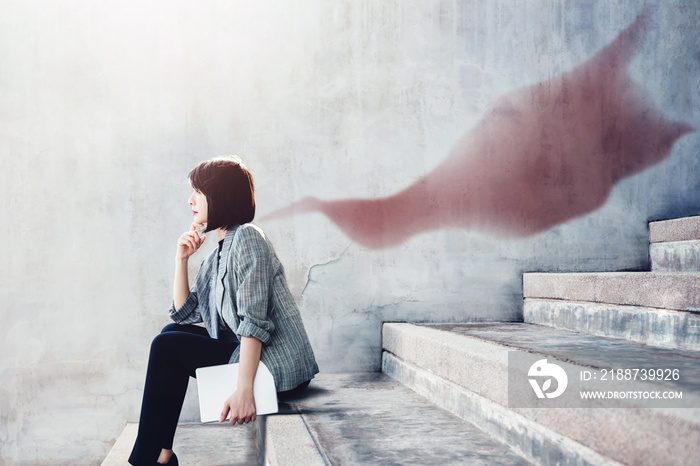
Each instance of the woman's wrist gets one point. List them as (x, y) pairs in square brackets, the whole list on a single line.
[(245, 385)]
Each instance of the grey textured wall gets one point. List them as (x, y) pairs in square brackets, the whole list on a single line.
[(105, 106)]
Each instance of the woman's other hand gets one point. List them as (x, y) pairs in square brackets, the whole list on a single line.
[(189, 242), (242, 407)]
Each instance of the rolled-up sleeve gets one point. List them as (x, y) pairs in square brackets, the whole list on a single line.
[(188, 312), (254, 271)]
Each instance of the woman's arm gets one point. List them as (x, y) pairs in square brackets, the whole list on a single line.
[(187, 245), (251, 260), (242, 403), (181, 287)]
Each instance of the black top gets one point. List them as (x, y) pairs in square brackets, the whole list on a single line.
[(225, 333)]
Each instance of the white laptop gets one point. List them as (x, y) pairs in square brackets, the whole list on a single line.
[(216, 384)]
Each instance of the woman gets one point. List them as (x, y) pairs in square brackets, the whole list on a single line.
[(242, 297)]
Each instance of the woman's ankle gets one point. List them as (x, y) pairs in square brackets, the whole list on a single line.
[(165, 456)]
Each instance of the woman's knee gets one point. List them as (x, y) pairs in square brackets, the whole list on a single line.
[(171, 328), (187, 328), (164, 342)]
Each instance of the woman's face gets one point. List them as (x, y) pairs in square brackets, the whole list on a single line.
[(198, 202)]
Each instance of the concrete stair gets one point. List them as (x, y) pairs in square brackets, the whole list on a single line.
[(371, 419), (654, 308), (586, 323), (674, 245), (443, 397), (464, 368), (196, 444), (343, 419), (659, 308)]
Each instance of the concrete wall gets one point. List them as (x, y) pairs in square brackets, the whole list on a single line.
[(105, 106)]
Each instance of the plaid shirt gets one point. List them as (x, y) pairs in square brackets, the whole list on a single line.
[(249, 291)]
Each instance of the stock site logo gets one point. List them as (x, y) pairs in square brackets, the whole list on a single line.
[(551, 371)]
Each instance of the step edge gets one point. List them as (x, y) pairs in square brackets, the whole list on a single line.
[(672, 340), (646, 274), (519, 424), (616, 305), (646, 418), (287, 440), (661, 244), (121, 450), (489, 353)]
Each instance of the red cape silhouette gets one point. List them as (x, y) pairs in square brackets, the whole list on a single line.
[(542, 155)]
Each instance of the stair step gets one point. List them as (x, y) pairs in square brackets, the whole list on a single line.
[(675, 256), (464, 368), (650, 326), (285, 440), (361, 418), (195, 443), (672, 291), (679, 229), (371, 419), (119, 454), (674, 245)]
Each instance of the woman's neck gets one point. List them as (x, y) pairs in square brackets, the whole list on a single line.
[(221, 233)]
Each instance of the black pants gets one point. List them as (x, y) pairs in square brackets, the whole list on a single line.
[(175, 354)]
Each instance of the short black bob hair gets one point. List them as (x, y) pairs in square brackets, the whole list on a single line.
[(228, 186)]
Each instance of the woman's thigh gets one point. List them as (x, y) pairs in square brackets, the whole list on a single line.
[(185, 351)]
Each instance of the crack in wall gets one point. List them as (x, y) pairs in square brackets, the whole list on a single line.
[(308, 274)]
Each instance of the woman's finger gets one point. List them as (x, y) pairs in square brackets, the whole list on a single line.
[(192, 244), (197, 239), (224, 413), (251, 417), (200, 238)]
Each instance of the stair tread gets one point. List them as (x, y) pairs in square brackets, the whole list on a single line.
[(215, 444), (369, 418), (195, 443), (666, 290), (679, 229), (465, 367), (591, 350)]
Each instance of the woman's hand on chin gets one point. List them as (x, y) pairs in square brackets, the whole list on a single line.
[(189, 242), (242, 407)]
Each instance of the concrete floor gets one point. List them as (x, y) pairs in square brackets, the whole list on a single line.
[(371, 419)]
